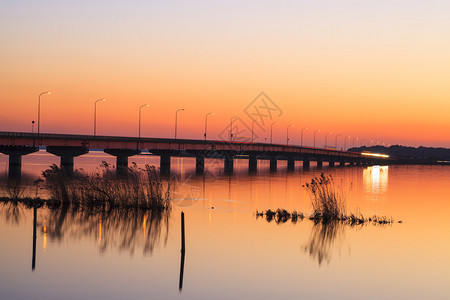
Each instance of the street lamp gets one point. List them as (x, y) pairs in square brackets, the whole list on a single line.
[(315, 137), (301, 136), (354, 141), (206, 122), (345, 142), (335, 140), (39, 109), (362, 140), (176, 120), (271, 130), (253, 123), (287, 133), (231, 126), (326, 135), (140, 107), (95, 114), (32, 126)]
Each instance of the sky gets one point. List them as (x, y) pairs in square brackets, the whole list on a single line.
[(374, 70)]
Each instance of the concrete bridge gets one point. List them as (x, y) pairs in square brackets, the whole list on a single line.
[(68, 146)]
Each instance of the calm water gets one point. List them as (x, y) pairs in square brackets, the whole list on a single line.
[(230, 254)]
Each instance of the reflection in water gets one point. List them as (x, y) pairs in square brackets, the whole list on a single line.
[(13, 212), (375, 179), (324, 238), (33, 260), (123, 229), (183, 252)]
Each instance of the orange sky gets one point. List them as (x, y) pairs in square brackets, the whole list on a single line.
[(377, 71)]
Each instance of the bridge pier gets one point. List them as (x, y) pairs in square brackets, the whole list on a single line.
[(273, 163), (342, 163), (15, 154), (306, 163), (122, 158), (252, 163), (199, 164), (66, 154), (319, 163), (331, 163), (229, 164), (290, 163), (164, 164)]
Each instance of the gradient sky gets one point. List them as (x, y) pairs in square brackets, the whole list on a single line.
[(377, 70)]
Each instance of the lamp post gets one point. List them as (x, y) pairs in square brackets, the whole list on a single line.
[(253, 123), (39, 109), (176, 120), (301, 136), (32, 126), (315, 137), (231, 126), (335, 140), (206, 122), (326, 135), (354, 141), (287, 133), (140, 107), (271, 131), (95, 114), (362, 140), (345, 142)]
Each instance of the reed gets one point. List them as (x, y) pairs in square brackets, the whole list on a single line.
[(328, 203), (139, 188)]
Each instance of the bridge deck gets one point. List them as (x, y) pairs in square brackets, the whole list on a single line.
[(163, 144)]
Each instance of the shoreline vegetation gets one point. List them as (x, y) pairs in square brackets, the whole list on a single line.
[(329, 206), (140, 188)]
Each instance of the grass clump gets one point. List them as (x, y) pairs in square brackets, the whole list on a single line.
[(327, 202), (139, 188)]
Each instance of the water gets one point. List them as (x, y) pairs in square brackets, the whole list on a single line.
[(231, 254)]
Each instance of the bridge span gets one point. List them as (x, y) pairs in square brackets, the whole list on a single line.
[(68, 146)]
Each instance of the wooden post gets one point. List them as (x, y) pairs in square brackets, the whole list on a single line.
[(33, 260), (182, 233), (180, 285)]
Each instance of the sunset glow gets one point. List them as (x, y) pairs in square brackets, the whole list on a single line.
[(376, 70)]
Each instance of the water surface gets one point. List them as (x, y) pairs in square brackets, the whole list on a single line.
[(231, 254)]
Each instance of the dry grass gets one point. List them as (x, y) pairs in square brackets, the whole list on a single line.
[(328, 203), (140, 188)]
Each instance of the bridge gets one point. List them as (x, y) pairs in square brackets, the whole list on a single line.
[(68, 146)]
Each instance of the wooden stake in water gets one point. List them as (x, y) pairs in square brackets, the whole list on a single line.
[(182, 232), (33, 259), (182, 253)]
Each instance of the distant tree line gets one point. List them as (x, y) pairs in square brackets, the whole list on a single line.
[(409, 153)]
